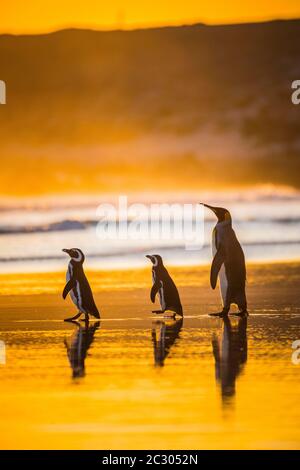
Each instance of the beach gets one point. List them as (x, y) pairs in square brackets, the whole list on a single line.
[(137, 381)]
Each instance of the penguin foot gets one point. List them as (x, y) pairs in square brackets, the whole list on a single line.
[(219, 314), (70, 319), (157, 311), (170, 315), (86, 319), (243, 313)]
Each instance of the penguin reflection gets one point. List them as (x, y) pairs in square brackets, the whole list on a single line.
[(230, 353), (78, 346), (164, 335)]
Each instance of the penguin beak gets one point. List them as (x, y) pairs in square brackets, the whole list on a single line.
[(150, 257), (205, 205), (208, 207), (66, 251)]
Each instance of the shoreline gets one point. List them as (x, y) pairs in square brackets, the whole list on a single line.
[(190, 275), (126, 294)]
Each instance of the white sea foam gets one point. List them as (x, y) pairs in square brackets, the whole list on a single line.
[(32, 232)]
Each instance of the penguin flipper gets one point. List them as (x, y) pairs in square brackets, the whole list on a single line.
[(154, 291), (69, 286), (216, 266)]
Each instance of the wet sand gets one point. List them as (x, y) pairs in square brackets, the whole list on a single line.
[(137, 381)]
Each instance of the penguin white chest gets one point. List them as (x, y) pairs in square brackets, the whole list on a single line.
[(75, 293), (162, 297), (160, 291), (222, 273)]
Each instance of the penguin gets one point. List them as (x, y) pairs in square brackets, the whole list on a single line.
[(165, 287), (228, 263), (78, 286)]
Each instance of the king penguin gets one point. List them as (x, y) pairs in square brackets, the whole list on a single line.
[(165, 287), (78, 286), (228, 263)]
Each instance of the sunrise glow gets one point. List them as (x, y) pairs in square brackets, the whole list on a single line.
[(33, 16)]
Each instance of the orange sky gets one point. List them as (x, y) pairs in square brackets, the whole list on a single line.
[(36, 16)]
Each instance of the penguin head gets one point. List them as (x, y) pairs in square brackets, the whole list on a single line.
[(76, 254), (156, 260), (221, 213)]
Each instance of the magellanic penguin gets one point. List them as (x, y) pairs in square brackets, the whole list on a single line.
[(228, 263), (165, 287), (78, 286)]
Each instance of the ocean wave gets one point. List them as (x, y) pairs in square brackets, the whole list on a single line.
[(63, 226), (141, 251), (69, 225)]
